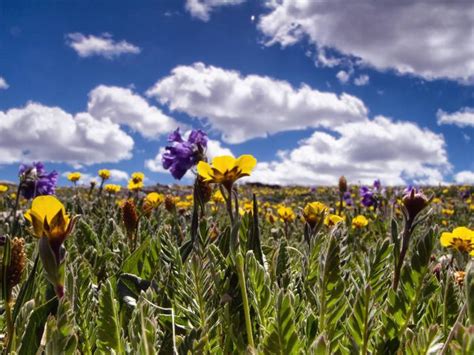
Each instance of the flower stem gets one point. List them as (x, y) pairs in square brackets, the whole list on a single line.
[(405, 243), (9, 321), (15, 208), (243, 289)]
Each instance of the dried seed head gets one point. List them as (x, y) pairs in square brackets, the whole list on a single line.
[(204, 190), (170, 203), (342, 184), (459, 277), (130, 217), (17, 262)]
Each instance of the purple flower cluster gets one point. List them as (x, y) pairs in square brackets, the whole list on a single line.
[(347, 198), (368, 194), (181, 155), (35, 181)]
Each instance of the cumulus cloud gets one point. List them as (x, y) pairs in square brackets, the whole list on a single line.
[(343, 76), (38, 132), (202, 9), (464, 177), (431, 39), (246, 107), (118, 175), (362, 80), (122, 106), (102, 45), (3, 84), (461, 118), (395, 152)]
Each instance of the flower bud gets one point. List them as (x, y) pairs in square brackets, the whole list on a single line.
[(130, 217), (170, 203), (414, 203), (17, 262), (342, 184)]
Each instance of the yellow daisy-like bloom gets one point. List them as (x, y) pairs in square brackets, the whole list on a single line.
[(447, 211), (3, 188), (286, 214), (48, 218), (112, 188), (104, 174), (332, 219), (226, 170), (74, 177), (217, 197), (138, 177), (183, 205), (462, 239), (133, 186), (359, 221), (313, 211), (152, 200)]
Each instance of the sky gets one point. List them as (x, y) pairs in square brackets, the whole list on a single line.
[(313, 89)]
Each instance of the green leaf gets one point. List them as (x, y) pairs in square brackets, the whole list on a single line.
[(283, 338), (108, 331), (34, 330)]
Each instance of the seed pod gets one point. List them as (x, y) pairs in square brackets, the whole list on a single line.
[(342, 184), (17, 262), (170, 203), (130, 217)]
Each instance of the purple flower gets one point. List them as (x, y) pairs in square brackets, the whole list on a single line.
[(35, 181), (368, 198), (377, 185), (181, 155), (347, 198)]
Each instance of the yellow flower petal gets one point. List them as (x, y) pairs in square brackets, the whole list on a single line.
[(246, 163), (204, 170), (463, 233), (223, 163), (46, 206), (446, 239)]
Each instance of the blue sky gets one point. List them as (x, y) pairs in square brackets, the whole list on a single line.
[(86, 85)]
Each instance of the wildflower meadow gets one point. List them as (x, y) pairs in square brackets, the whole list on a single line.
[(224, 266)]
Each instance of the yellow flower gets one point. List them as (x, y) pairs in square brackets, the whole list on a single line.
[(226, 170), (332, 220), (436, 200), (447, 211), (462, 239), (112, 188), (217, 197), (74, 177), (152, 200), (286, 214), (183, 205), (313, 211), (133, 186), (359, 221), (3, 188), (138, 177), (104, 174), (49, 219)]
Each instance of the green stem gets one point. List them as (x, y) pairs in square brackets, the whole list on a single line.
[(243, 289), (10, 325)]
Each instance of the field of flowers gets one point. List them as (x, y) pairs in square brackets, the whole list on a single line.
[(223, 267)]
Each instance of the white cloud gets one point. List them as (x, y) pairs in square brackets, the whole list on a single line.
[(464, 177), (103, 45), (395, 152), (3, 84), (122, 106), (118, 175), (431, 39), (214, 148), (246, 107), (362, 80), (202, 9), (343, 76), (37, 132), (461, 118)]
